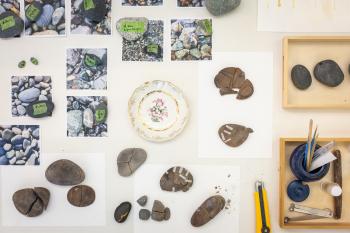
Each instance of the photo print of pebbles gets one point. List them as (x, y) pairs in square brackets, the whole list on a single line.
[(87, 69), (190, 3), (91, 17), (11, 23), (142, 2), (87, 116), (28, 90), (191, 39), (45, 17), (142, 39), (19, 145)]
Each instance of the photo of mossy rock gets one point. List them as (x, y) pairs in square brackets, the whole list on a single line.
[(91, 17), (191, 39), (190, 3), (27, 90), (45, 17), (87, 116), (19, 145), (149, 47), (142, 2), (87, 68)]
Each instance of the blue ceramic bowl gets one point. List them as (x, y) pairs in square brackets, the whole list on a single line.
[(296, 164)]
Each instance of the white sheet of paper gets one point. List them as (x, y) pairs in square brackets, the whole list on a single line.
[(255, 112), (59, 212), (183, 204), (304, 15)]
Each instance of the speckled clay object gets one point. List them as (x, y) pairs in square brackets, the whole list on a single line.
[(208, 210)]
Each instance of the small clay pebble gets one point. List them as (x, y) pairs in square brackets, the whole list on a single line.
[(34, 61), (167, 214), (234, 135), (231, 80), (301, 77), (176, 179), (144, 214), (122, 212), (64, 172), (81, 195), (94, 10), (40, 109), (11, 25), (159, 212), (329, 73), (22, 64), (208, 210), (31, 202), (142, 201), (129, 160)]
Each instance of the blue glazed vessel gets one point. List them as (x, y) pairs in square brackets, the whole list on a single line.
[(296, 164)]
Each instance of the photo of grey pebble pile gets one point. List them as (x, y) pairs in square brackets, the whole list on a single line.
[(81, 116), (139, 50), (191, 39), (27, 90), (19, 145), (190, 3), (142, 2), (96, 22), (45, 17), (87, 69)]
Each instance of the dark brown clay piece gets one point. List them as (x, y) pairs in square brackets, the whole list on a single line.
[(234, 135), (64, 172), (208, 210), (81, 196), (231, 80), (160, 212), (31, 202), (121, 213), (176, 179)]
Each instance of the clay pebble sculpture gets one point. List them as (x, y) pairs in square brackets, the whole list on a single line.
[(31, 202), (231, 80), (176, 179), (329, 73), (142, 201), (64, 172), (129, 160), (301, 77), (160, 212), (208, 210), (144, 214), (121, 213), (234, 135), (81, 196)]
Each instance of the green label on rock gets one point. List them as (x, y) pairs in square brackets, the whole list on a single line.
[(152, 48), (32, 12), (100, 115), (133, 26), (207, 26), (90, 61), (89, 4), (39, 109), (7, 22)]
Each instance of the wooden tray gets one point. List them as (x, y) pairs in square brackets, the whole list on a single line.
[(308, 51), (317, 198)]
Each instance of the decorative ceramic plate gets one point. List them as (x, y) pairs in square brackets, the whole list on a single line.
[(158, 111)]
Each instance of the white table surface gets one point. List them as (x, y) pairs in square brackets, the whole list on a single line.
[(234, 32)]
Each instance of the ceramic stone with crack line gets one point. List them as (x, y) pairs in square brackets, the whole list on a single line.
[(160, 212), (122, 212), (208, 210), (64, 172), (234, 135), (81, 196), (31, 202), (40, 109), (176, 179), (129, 160)]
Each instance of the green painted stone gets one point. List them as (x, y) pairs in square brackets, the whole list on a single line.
[(11, 25), (33, 11), (34, 61), (221, 7), (40, 109), (153, 50), (100, 113), (22, 64), (94, 10), (91, 60), (132, 28)]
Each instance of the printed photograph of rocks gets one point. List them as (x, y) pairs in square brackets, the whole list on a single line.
[(190, 3), (142, 2)]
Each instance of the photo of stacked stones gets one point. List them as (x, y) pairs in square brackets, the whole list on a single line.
[(91, 17), (190, 3), (27, 90), (142, 2), (87, 69), (11, 23), (86, 116), (19, 145), (45, 17), (191, 39), (142, 39)]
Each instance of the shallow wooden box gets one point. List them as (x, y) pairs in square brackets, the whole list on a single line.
[(317, 198), (309, 51)]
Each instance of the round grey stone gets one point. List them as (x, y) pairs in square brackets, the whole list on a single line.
[(220, 7), (329, 73), (144, 214), (301, 77)]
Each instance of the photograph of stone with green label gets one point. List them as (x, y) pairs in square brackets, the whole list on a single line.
[(142, 2), (191, 39), (11, 23), (45, 17), (142, 39), (27, 91), (91, 17), (87, 68), (87, 116)]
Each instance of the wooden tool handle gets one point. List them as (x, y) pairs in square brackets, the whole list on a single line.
[(337, 170)]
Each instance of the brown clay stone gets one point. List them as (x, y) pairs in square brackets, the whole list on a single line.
[(207, 210), (176, 179), (160, 212), (64, 172), (81, 195), (234, 135)]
